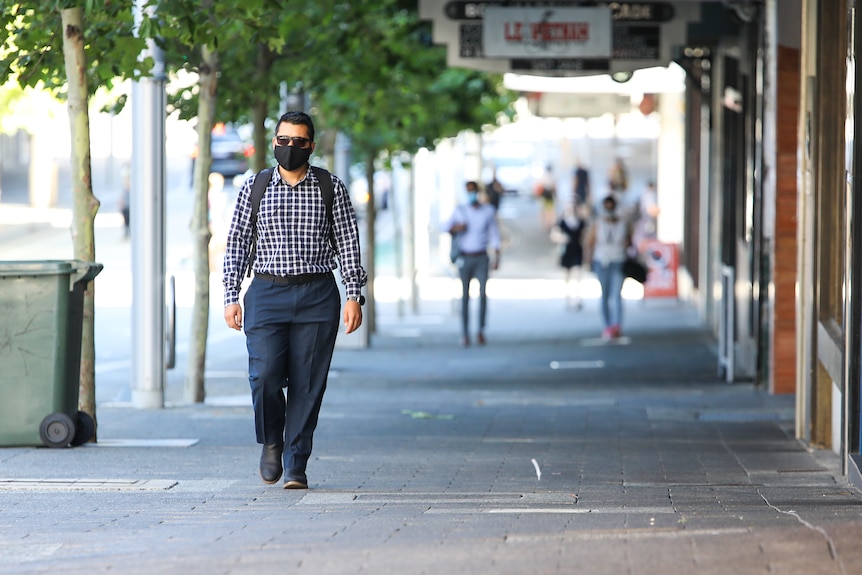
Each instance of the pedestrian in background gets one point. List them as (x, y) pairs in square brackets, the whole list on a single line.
[(646, 227), (618, 177), (473, 226), (494, 191), (126, 198), (546, 191), (581, 187), (292, 305), (568, 233), (608, 240)]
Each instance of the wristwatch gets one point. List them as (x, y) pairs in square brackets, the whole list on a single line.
[(360, 299)]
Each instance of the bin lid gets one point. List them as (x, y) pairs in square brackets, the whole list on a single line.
[(49, 267), (33, 268)]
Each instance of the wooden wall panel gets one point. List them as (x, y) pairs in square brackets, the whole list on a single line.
[(784, 271)]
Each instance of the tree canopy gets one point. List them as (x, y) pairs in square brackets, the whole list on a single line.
[(31, 53), (368, 68)]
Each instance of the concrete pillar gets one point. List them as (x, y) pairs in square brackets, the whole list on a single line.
[(670, 180)]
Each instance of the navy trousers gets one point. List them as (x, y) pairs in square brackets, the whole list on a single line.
[(474, 266), (290, 334)]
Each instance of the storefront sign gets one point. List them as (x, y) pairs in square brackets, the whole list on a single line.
[(629, 43), (556, 33)]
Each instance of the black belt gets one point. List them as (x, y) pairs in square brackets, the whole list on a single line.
[(293, 280), (482, 253)]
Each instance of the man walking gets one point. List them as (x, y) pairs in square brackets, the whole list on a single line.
[(474, 227), (292, 305)]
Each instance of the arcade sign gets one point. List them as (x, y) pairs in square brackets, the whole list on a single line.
[(620, 11), (642, 35)]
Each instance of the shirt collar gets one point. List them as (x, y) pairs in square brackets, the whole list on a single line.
[(276, 176)]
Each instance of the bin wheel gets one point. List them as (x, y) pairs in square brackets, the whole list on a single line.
[(57, 430), (85, 428)]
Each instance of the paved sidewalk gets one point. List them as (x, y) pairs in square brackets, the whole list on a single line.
[(547, 451), (526, 456)]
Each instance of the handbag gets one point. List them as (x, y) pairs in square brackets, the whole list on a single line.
[(558, 236), (633, 268)]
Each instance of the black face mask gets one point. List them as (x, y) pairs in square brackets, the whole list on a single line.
[(290, 157)]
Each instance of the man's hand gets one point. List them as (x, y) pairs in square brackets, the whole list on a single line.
[(352, 316), (233, 316)]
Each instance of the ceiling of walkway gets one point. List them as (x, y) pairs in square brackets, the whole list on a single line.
[(580, 38)]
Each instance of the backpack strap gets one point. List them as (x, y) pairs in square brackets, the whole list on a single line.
[(324, 181), (258, 188), (261, 181)]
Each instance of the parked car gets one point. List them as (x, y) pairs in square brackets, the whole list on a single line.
[(230, 152)]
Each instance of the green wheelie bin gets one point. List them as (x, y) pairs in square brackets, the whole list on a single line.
[(41, 324)]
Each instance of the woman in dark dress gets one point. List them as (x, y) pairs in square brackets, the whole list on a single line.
[(570, 230)]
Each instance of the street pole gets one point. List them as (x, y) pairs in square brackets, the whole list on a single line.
[(148, 231), (341, 167)]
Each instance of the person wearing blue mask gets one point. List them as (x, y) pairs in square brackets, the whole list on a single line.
[(473, 226)]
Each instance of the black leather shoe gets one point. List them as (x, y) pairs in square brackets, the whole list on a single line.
[(295, 479), (270, 462)]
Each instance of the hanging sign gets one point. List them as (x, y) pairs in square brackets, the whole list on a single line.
[(637, 42), (620, 11), (559, 64), (547, 32)]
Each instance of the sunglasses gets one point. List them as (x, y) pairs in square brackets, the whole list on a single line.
[(299, 142)]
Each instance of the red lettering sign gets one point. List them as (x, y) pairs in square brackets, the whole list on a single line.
[(560, 31), (513, 32)]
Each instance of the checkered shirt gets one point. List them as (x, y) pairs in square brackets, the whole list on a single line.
[(293, 235)]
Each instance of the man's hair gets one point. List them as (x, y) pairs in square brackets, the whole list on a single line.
[(472, 184), (297, 119)]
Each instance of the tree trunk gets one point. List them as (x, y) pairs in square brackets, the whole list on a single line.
[(84, 204), (260, 109), (194, 391), (262, 147)]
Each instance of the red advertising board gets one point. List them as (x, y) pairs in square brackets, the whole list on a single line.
[(662, 261)]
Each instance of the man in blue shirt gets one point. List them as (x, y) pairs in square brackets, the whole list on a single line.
[(474, 226), (292, 305)]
